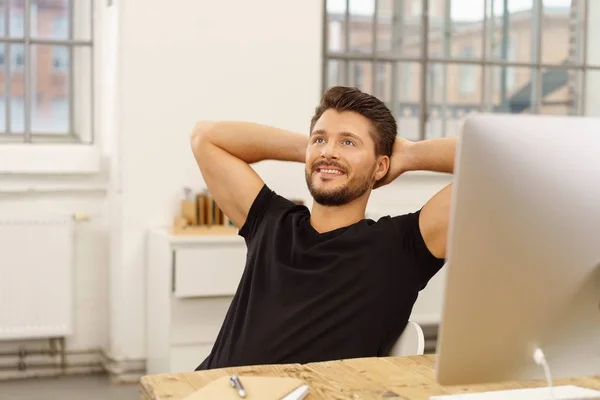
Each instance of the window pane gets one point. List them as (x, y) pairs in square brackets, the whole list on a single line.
[(16, 19), (361, 26), (561, 32), (360, 76), (3, 80), (82, 100), (335, 33), (17, 88), (508, 90), (593, 34), (464, 37), (406, 106), (58, 107), (335, 73), (385, 16), (50, 88), (383, 82), (51, 19), (560, 92), (468, 82), (592, 93), (3, 15), (398, 30), (336, 25), (509, 30), (453, 91)]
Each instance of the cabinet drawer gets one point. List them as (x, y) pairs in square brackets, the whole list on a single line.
[(213, 269), (197, 319)]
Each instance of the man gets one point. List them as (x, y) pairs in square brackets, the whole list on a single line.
[(327, 283)]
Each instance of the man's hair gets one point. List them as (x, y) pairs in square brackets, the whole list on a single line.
[(343, 98)]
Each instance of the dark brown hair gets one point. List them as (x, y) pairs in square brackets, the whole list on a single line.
[(342, 98)]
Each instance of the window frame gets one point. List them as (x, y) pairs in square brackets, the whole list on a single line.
[(486, 62), (28, 40)]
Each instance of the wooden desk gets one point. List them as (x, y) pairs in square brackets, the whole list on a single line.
[(410, 378)]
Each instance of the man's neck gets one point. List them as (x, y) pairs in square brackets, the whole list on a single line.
[(328, 218)]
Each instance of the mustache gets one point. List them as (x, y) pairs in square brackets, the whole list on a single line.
[(320, 164)]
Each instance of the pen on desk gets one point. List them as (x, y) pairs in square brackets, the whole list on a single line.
[(297, 394), (235, 383)]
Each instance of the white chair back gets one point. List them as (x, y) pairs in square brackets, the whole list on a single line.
[(411, 342)]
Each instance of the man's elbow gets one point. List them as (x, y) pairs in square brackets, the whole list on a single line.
[(201, 134)]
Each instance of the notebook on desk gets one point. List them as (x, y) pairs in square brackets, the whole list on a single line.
[(255, 387)]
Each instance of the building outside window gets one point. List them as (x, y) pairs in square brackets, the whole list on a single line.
[(46, 71), (467, 76), (526, 57)]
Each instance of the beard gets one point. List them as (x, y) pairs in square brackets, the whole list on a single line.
[(341, 195)]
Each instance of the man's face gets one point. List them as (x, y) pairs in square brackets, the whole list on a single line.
[(341, 164)]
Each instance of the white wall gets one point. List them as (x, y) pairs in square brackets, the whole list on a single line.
[(76, 191), (183, 63)]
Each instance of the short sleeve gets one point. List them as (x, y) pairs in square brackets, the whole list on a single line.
[(412, 242), (266, 203)]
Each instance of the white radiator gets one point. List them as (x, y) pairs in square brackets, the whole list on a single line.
[(36, 277)]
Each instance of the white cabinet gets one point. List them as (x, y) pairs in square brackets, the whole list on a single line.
[(208, 270), (190, 282)]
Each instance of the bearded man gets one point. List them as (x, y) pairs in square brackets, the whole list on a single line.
[(325, 283)]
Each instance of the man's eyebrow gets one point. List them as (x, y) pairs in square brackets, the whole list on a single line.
[(344, 134), (352, 135)]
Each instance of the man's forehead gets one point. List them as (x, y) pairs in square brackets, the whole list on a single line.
[(333, 121)]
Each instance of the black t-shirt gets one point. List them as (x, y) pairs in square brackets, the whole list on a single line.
[(307, 297)]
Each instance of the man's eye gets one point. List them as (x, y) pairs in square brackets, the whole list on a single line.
[(348, 142), (319, 140)]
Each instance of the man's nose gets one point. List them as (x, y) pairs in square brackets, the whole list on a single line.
[(330, 150)]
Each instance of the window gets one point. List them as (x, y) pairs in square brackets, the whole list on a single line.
[(60, 58), (519, 59), (511, 56), (45, 64), (358, 73), (467, 72), (416, 8), (380, 80)]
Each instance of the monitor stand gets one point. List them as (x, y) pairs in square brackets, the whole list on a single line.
[(565, 392)]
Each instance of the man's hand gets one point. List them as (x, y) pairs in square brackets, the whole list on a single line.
[(427, 155), (224, 151), (399, 162)]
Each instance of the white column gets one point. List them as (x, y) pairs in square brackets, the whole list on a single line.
[(592, 89)]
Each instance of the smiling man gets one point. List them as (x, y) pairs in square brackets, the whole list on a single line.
[(325, 283)]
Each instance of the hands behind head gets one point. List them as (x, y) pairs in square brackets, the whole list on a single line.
[(399, 162)]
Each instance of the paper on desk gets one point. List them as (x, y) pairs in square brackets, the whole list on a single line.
[(257, 387)]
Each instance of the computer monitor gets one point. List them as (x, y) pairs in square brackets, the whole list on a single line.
[(523, 255)]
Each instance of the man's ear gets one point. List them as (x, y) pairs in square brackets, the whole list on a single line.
[(383, 166)]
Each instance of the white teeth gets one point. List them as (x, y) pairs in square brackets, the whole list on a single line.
[(331, 171)]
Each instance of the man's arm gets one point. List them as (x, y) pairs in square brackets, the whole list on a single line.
[(428, 155), (224, 150)]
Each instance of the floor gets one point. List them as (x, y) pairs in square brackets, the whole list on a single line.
[(88, 387)]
